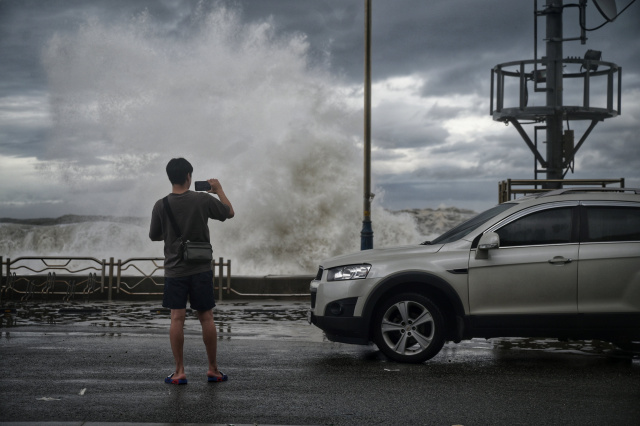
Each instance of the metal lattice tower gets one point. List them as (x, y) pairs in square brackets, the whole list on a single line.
[(550, 75)]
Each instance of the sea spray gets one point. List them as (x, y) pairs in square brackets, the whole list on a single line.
[(103, 237), (96, 239), (244, 104)]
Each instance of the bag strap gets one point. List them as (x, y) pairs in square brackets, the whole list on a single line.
[(172, 219)]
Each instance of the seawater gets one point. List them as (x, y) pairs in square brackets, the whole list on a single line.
[(125, 238)]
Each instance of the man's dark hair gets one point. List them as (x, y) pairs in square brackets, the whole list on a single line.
[(178, 170)]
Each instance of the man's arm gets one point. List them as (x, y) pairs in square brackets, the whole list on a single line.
[(216, 188), (155, 230)]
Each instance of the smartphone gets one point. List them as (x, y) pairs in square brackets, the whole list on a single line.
[(202, 185)]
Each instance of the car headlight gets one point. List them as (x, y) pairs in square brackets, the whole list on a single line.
[(349, 272)]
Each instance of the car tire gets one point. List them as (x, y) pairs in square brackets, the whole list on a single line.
[(409, 328)]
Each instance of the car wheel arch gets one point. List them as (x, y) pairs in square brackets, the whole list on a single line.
[(426, 284)]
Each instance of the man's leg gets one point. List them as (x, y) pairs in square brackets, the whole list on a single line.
[(176, 336), (210, 338)]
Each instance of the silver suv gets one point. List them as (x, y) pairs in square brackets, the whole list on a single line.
[(563, 264)]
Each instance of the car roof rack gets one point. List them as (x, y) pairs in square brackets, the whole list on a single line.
[(589, 189)]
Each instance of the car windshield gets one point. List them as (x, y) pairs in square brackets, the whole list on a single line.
[(466, 227)]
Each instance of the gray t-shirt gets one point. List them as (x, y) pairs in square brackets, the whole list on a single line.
[(191, 211)]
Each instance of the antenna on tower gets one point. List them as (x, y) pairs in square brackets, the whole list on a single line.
[(607, 9)]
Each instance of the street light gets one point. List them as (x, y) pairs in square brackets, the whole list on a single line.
[(366, 235)]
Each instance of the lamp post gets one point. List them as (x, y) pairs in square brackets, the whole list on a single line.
[(366, 235)]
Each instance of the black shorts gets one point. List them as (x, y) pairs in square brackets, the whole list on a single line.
[(198, 288)]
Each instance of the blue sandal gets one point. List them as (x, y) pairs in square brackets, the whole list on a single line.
[(216, 379), (170, 381)]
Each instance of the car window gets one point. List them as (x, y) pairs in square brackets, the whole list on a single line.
[(465, 228), (552, 226), (613, 223)]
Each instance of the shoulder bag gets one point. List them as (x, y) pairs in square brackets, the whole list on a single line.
[(190, 251)]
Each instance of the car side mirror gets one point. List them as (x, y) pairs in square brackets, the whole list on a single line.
[(488, 241)]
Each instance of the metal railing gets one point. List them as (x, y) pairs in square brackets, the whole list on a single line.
[(33, 282), (507, 189), (520, 73), (28, 276)]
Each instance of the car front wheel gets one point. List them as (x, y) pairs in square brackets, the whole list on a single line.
[(409, 328)]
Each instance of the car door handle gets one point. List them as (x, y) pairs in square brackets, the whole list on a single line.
[(559, 260)]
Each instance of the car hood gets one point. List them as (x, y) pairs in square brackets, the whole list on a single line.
[(371, 256)]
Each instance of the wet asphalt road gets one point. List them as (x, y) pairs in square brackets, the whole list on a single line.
[(109, 367)]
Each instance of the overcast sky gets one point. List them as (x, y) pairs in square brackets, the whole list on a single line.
[(90, 91)]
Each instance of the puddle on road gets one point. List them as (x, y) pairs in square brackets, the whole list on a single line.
[(285, 320), (583, 347)]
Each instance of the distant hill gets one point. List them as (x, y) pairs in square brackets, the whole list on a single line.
[(71, 218), (438, 221)]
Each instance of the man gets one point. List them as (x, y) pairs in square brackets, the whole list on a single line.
[(183, 280)]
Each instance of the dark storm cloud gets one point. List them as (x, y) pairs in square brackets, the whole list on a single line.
[(449, 45), (610, 149), (461, 38), (331, 26), (20, 31), (26, 26), (408, 36), (15, 142), (417, 130), (476, 195), (451, 38)]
